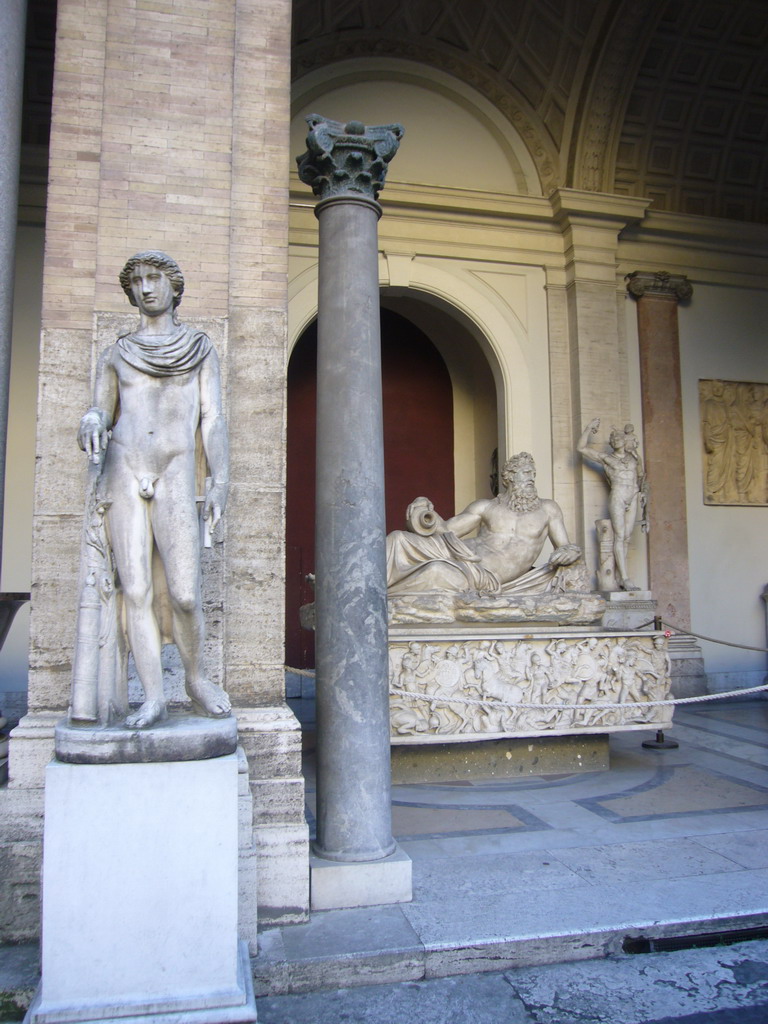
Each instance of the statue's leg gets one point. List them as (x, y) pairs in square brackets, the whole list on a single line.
[(623, 520), (176, 529), (131, 538)]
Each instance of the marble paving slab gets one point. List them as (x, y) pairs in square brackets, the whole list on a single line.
[(585, 909), (421, 821), (630, 863), (546, 870), (749, 849), (681, 790)]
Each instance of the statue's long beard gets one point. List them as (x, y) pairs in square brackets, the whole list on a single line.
[(526, 500)]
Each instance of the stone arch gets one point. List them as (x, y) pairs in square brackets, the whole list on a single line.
[(418, 427), (502, 127), (508, 334)]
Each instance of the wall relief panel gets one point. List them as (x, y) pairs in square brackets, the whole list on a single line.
[(449, 686), (734, 433)]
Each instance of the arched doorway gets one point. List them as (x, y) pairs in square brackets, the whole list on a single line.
[(418, 451)]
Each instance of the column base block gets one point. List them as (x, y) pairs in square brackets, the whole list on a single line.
[(337, 884)]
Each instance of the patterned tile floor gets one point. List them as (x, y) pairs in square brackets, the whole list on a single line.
[(545, 868), (720, 768), (512, 875)]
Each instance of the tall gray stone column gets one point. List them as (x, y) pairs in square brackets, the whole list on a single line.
[(13, 17), (345, 164)]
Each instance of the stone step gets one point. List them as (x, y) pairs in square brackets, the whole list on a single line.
[(378, 945)]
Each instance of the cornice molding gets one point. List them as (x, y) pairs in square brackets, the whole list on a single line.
[(569, 204)]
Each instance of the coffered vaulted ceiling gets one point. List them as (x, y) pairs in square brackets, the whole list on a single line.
[(660, 98)]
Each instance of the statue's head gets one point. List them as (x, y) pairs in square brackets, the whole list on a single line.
[(518, 470), (617, 439), (518, 478), (153, 258)]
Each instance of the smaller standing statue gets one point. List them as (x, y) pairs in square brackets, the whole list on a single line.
[(157, 390), (629, 489)]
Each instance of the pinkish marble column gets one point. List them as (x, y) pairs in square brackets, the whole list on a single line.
[(657, 296)]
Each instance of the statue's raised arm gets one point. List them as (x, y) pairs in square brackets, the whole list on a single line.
[(583, 447)]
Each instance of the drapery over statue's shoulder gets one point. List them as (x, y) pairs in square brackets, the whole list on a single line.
[(444, 563), (180, 353)]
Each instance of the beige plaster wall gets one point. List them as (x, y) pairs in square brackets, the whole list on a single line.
[(488, 321), (722, 335), (485, 310)]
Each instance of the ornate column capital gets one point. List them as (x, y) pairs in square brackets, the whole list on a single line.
[(347, 159), (660, 284)]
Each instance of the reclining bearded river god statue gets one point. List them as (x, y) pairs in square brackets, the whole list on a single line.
[(511, 531), (482, 645), (489, 576)]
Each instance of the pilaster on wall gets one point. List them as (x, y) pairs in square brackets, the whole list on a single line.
[(258, 303), (170, 131), (588, 363), (258, 359), (657, 298)]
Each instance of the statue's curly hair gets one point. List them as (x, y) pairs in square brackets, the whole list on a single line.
[(163, 262), (513, 464)]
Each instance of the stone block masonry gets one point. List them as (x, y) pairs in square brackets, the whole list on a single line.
[(170, 131)]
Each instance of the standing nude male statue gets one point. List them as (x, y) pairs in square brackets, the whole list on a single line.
[(624, 470), (155, 387)]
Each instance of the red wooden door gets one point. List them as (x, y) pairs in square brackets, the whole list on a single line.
[(418, 452)]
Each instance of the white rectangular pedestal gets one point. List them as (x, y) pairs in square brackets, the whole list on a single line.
[(140, 894)]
